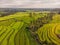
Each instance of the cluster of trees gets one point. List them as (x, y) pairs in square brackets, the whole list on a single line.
[(6, 13), (36, 24), (40, 21)]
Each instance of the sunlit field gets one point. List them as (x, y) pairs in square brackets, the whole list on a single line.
[(30, 28)]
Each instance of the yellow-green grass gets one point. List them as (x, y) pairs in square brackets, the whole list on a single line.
[(14, 32), (49, 33), (18, 14), (56, 18), (11, 26)]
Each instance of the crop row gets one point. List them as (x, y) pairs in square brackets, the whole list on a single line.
[(48, 34)]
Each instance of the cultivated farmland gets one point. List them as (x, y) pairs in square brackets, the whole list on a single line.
[(30, 28)]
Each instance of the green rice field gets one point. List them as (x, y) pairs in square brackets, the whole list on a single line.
[(30, 28)]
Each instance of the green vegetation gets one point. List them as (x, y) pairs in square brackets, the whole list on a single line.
[(49, 34), (30, 28)]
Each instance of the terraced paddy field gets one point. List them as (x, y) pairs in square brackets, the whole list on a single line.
[(30, 28), (49, 34)]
